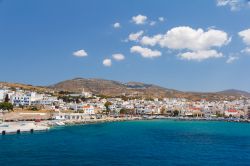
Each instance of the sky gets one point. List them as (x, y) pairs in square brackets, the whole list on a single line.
[(185, 45)]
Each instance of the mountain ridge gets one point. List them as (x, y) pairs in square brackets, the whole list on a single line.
[(116, 88), (234, 91)]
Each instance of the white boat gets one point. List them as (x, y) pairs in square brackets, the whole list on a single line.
[(60, 123)]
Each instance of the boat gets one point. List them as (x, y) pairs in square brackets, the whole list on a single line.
[(60, 123)]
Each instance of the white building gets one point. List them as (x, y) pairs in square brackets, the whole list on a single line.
[(3, 93), (20, 99), (89, 109), (42, 99), (233, 113), (86, 94), (71, 116)]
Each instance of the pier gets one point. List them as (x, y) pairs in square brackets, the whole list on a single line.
[(21, 127)]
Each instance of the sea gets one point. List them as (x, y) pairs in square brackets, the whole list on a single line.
[(132, 143)]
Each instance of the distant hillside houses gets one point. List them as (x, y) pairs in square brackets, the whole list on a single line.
[(26, 98), (86, 103), (84, 93)]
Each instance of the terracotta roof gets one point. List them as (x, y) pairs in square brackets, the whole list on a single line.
[(232, 110), (87, 106)]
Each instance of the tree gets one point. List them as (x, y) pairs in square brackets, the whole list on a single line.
[(163, 110), (218, 114), (21, 106), (175, 113), (123, 111), (6, 106), (124, 98), (34, 108), (107, 104), (7, 99)]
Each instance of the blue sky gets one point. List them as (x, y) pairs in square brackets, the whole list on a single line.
[(186, 45)]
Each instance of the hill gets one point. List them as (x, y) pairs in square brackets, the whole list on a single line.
[(112, 88), (233, 92), (41, 89), (133, 89), (115, 88)]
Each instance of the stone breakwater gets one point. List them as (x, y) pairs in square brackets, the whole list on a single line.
[(20, 127)]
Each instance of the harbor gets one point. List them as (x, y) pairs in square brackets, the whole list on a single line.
[(18, 127), (37, 126), (22, 127)]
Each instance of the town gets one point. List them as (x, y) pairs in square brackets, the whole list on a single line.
[(22, 105)]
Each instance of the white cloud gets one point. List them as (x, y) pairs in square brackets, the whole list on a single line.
[(135, 36), (107, 62), (234, 4), (151, 41), (200, 55), (152, 23), (117, 25), (193, 39), (161, 19), (118, 57), (245, 35), (231, 59), (145, 52), (246, 50), (80, 53), (222, 2), (139, 19), (188, 38), (197, 43)]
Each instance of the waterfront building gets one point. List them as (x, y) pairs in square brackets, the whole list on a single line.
[(3, 93), (89, 109), (71, 116), (21, 99), (44, 100), (248, 112), (193, 111), (232, 113)]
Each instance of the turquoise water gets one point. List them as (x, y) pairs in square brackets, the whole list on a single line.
[(159, 142)]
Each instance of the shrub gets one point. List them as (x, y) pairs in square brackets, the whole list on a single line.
[(6, 106)]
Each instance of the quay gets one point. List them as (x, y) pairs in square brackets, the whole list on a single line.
[(77, 118), (21, 127)]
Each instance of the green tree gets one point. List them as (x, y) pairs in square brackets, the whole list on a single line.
[(124, 98), (175, 113), (218, 114), (107, 104), (123, 111), (163, 110), (7, 99), (34, 108), (6, 106), (64, 92)]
